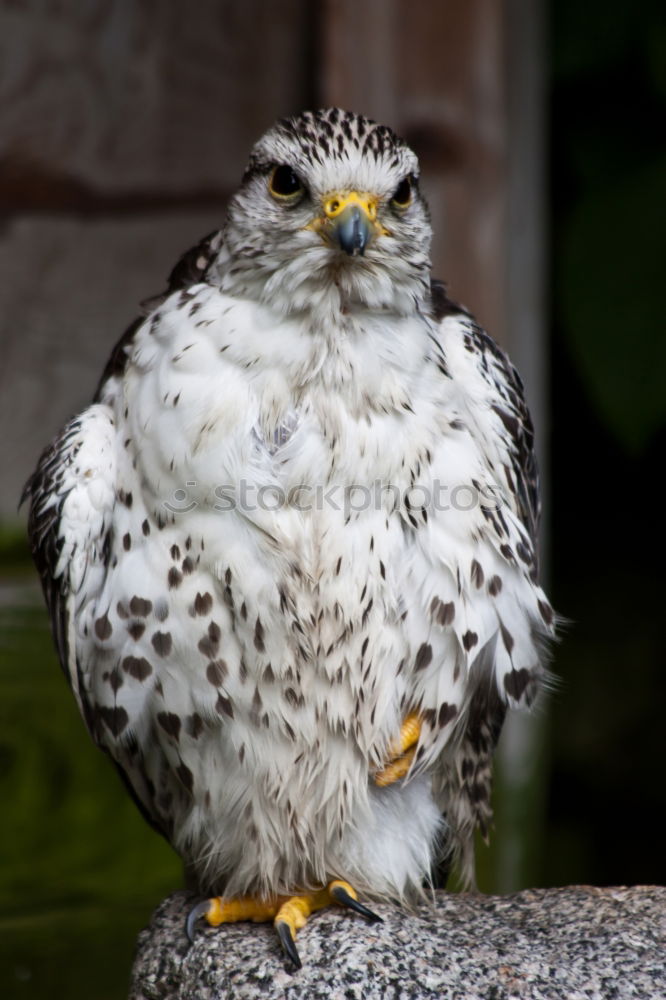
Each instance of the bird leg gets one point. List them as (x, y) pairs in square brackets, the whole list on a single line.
[(288, 913), (401, 752)]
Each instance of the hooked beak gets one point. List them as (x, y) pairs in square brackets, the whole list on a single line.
[(349, 221)]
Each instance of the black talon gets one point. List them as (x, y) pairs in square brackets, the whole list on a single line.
[(288, 943), (341, 895), (200, 910)]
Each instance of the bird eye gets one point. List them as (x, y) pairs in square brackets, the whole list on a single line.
[(402, 196), (285, 184)]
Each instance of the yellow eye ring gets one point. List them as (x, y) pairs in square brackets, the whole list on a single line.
[(284, 184), (402, 196)]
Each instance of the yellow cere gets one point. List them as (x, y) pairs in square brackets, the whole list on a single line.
[(335, 204)]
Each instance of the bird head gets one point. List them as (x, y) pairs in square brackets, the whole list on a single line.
[(329, 214)]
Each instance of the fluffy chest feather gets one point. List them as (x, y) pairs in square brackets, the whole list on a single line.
[(277, 463), (233, 397), (271, 453)]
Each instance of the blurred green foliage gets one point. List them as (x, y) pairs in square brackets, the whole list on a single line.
[(609, 146)]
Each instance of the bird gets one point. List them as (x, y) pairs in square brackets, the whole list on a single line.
[(289, 550)]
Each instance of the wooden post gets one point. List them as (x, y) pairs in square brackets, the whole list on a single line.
[(522, 771)]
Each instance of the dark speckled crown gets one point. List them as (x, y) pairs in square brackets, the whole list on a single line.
[(329, 132)]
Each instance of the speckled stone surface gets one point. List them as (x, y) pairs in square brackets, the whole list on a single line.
[(579, 943)]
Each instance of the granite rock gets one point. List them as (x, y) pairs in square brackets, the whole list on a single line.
[(578, 943)]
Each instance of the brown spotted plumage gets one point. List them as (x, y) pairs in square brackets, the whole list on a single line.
[(301, 509)]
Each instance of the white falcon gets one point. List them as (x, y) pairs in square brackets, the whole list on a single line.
[(289, 551)]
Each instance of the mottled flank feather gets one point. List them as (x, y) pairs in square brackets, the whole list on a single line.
[(302, 506)]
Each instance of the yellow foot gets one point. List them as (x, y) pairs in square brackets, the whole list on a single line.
[(288, 913), (294, 913), (218, 911), (401, 752)]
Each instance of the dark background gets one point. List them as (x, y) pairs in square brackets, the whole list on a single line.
[(607, 209), (123, 128)]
